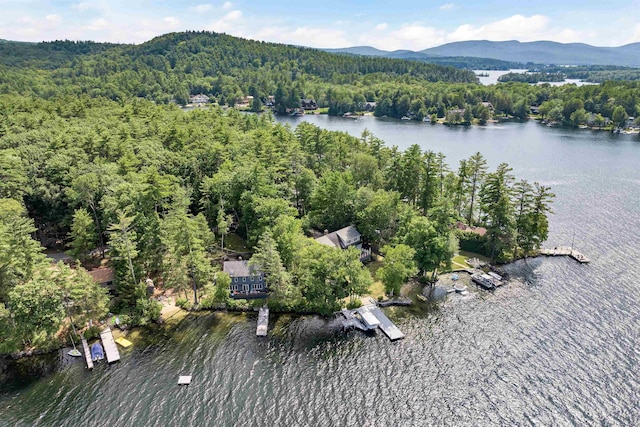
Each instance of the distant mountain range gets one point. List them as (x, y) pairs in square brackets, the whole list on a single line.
[(539, 52)]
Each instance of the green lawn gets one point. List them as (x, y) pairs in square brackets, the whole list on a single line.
[(377, 289), (459, 261), (472, 255)]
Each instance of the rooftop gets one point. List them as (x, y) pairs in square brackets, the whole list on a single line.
[(239, 269)]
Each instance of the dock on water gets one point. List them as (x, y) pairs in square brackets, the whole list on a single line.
[(386, 325), (565, 251), (369, 317), (87, 354), (110, 348), (263, 322)]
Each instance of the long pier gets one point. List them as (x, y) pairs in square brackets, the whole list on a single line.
[(565, 251), (87, 354), (110, 348), (263, 322)]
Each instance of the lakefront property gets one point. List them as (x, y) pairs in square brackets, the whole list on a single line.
[(246, 281)]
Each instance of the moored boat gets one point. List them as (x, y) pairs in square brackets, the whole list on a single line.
[(97, 353), (484, 281)]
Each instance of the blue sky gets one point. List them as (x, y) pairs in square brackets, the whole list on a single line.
[(388, 25)]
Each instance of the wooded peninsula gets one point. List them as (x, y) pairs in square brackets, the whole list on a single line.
[(96, 157)]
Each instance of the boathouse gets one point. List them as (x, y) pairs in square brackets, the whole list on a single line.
[(246, 281)]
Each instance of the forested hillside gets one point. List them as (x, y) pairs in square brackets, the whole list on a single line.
[(173, 66)]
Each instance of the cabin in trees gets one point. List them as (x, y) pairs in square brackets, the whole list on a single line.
[(104, 277), (345, 238), (370, 106), (308, 104), (246, 281), (481, 231)]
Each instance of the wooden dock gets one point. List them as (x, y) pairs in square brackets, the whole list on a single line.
[(87, 354), (565, 251), (263, 322), (110, 348), (387, 325), (369, 317)]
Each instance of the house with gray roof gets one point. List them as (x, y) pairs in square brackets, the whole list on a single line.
[(345, 238), (246, 281)]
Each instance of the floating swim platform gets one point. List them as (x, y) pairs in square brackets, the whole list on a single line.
[(263, 322), (124, 342)]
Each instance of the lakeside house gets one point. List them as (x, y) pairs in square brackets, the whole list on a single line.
[(199, 99), (481, 231), (246, 281), (488, 105), (308, 104), (370, 106), (344, 238)]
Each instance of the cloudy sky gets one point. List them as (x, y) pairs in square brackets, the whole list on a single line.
[(388, 25)]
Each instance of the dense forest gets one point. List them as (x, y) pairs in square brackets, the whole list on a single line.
[(95, 158), (175, 66), (162, 188)]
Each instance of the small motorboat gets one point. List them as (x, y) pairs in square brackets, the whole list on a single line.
[(97, 352)]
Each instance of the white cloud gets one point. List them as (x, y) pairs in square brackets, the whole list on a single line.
[(447, 6), (303, 36), (53, 18), (201, 8), (409, 36), (171, 22), (228, 22), (416, 36), (516, 27), (227, 5), (382, 27), (635, 37), (97, 24), (83, 5)]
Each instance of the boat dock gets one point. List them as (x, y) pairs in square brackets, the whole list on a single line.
[(367, 318), (565, 251), (349, 320), (110, 348), (386, 325), (87, 354), (263, 322)]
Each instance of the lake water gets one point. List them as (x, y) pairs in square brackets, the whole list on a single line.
[(493, 75), (558, 346)]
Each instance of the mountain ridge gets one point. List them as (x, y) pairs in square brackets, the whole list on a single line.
[(539, 52)]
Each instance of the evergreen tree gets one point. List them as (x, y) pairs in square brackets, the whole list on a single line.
[(267, 260), (497, 206), (83, 235)]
